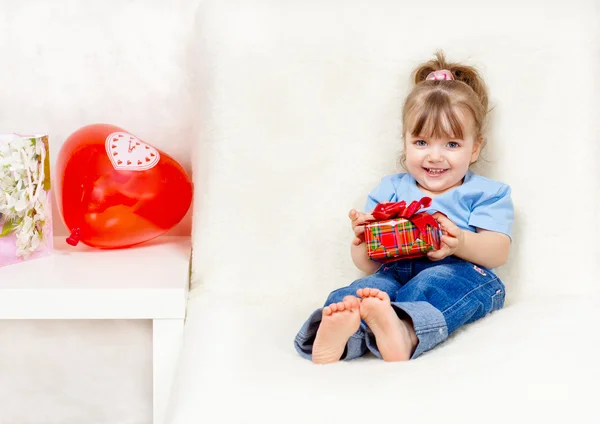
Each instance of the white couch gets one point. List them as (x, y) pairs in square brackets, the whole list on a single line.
[(298, 106)]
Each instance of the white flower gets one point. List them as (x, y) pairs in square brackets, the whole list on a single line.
[(24, 201)]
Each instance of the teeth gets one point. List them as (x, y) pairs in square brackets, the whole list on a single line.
[(435, 171)]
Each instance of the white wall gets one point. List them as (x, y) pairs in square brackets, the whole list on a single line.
[(69, 63), (66, 64)]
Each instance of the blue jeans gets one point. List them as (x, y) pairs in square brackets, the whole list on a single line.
[(439, 297)]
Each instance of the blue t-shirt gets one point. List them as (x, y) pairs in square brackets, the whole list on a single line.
[(477, 203)]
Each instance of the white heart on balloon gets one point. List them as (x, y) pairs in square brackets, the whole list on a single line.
[(128, 153)]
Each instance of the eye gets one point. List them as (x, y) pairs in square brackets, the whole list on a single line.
[(420, 143), (453, 144)]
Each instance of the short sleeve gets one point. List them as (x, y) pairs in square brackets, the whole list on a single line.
[(384, 192), (494, 213)]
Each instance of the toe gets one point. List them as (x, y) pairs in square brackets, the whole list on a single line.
[(383, 295), (351, 302), (341, 306), (366, 292), (333, 307), (359, 292), (327, 311), (375, 292)]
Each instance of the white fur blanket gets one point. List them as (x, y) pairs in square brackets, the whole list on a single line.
[(299, 117)]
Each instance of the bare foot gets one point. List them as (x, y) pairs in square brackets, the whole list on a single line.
[(395, 338), (340, 321)]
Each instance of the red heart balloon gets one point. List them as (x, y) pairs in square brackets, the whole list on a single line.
[(114, 190)]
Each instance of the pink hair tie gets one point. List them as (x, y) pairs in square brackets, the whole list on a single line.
[(440, 75)]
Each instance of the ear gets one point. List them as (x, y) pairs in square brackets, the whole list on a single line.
[(476, 149)]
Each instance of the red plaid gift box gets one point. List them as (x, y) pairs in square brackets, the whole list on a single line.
[(399, 232)]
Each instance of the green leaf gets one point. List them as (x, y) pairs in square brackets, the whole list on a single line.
[(46, 164), (8, 228)]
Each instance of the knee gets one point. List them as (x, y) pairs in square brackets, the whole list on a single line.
[(426, 279), (387, 285), (339, 294), (424, 285)]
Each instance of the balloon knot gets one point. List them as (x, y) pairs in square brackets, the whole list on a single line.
[(73, 239)]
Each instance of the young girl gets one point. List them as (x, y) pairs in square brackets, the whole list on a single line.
[(405, 308)]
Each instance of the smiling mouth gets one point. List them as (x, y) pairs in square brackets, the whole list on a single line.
[(435, 172)]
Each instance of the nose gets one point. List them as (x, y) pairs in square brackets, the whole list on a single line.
[(434, 156)]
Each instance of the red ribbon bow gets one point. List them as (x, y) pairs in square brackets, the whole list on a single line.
[(384, 211)]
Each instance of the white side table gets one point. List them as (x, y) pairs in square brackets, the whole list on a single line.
[(149, 281)]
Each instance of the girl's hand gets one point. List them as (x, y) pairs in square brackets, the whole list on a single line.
[(452, 238), (358, 225)]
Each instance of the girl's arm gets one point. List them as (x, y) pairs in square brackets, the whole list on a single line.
[(359, 248), (486, 248), (362, 260)]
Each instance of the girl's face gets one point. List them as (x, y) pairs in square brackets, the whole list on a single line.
[(439, 164)]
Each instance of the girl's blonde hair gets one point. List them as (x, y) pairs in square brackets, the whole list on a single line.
[(433, 107)]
